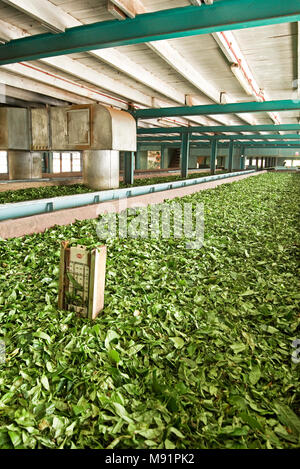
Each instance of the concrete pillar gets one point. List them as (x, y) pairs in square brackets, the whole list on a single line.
[(24, 165), (101, 169)]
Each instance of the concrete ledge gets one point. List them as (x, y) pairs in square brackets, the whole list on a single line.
[(39, 223)]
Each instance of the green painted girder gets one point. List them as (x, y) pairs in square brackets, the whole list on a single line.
[(173, 137), (230, 155), (259, 137), (185, 150), (220, 128), (213, 155), (129, 167), (222, 137), (213, 109), (164, 24), (287, 145), (262, 144)]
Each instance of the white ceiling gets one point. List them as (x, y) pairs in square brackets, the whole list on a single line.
[(271, 53)]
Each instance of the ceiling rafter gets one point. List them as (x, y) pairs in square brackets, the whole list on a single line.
[(175, 60), (119, 60), (113, 58), (8, 78), (132, 7)]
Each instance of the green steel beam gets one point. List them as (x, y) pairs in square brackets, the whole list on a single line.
[(220, 128), (129, 167), (164, 24), (213, 155), (243, 158), (185, 150), (259, 137), (174, 138), (233, 108), (137, 160), (231, 148), (287, 144), (221, 137), (162, 156)]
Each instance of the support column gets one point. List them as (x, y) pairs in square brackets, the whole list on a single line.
[(101, 169), (231, 148), (129, 168), (50, 160), (185, 149), (137, 160), (163, 156), (256, 163), (213, 155), (262, 163), (24, 165), (243, 158)]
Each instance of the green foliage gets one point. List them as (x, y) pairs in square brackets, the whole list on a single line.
[(192, 350), (45, 192)]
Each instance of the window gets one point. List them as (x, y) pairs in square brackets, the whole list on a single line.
[(3, 162), (56, 163), (66, 162), (76, 162)]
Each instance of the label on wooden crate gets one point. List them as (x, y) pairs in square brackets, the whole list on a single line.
[(82, 279)]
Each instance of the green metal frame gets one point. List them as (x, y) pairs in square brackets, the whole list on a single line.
[(213, 156), (164, 24), (185, 150), (230, 154), (260, 137), (174, 138), (222, 137), (162, 156), (233, 108), (220, 128), (243, 158), (287, 144), (129, 167)]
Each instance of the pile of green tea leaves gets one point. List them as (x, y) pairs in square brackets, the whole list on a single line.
[(34, 193), (192, 350)]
